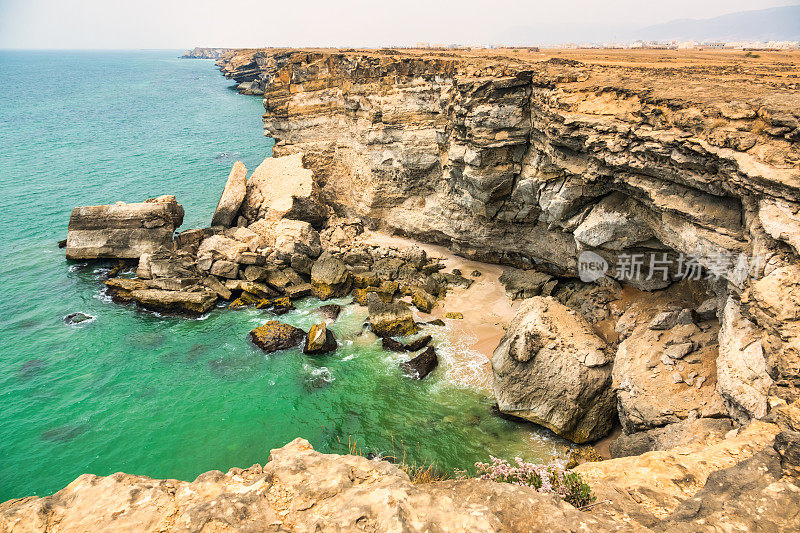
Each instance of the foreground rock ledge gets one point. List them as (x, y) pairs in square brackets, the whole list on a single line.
[(737, 482), (299, 489)]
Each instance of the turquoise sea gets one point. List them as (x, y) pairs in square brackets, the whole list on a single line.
[(161, 396)]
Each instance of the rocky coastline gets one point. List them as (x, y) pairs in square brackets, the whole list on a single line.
[(648, 237)]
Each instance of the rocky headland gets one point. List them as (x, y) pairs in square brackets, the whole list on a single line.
[(645, 211)]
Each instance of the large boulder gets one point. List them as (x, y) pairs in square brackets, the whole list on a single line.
[(297, 237), (319, 340), (274, 336), (281, 188), (175, 301), (421, 365), (551, 369), (221, 247), (232, 196), (330, 278), (123, 231), (389, 319)]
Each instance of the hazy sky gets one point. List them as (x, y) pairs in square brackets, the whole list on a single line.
[(252, 23)]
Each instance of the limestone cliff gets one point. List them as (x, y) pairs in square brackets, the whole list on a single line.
[(529, 159)]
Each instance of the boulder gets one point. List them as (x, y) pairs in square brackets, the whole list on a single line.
[(703, 431), (418, 344), (281, 188), (296, 292), (123, 231), (421, 365), (218, 287), (742, 377), (166, 264), (551, 369), (389, 319), (274, 336), (319, 340), (520, 284), (392, 345), (422, 300), (224, 269), (330, 278), (181, 302), (615, 223), (232, 196), (77, 318), (415, 256), (249, 237), (221, 247), (297, 237)]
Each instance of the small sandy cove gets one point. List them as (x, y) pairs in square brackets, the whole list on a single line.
[(485, 307)]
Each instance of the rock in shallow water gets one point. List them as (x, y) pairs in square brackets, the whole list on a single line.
[(421, 365), (274, 336), (77, 318), (123, 231), (319, 340)]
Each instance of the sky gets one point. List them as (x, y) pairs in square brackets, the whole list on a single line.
[(179, 24)]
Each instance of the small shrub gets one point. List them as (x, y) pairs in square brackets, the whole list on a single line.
[(552, 479)]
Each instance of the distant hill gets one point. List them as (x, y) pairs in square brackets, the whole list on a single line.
[(774, 24)]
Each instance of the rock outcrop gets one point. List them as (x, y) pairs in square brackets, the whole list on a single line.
[(298, 490), (550, 368), (275, 336), (232, 196), (123, 231), (661, 170), (199, 52)]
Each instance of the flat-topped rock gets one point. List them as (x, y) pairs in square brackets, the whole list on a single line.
[(123, 231)]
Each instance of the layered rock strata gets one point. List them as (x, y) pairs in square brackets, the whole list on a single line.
[(123, 231), (664, 167)]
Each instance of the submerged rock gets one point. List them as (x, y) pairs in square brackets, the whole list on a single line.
[(421, 365), (77, 318), (274, 336), (330, 311), (319, 340), (123, 231), (551, 369)]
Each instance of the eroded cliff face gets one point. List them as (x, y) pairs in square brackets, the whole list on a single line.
[(529, 160)]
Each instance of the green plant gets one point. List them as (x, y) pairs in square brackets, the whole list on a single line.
[(552, 479)]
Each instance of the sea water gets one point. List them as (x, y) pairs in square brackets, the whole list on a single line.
[(172, 397)]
